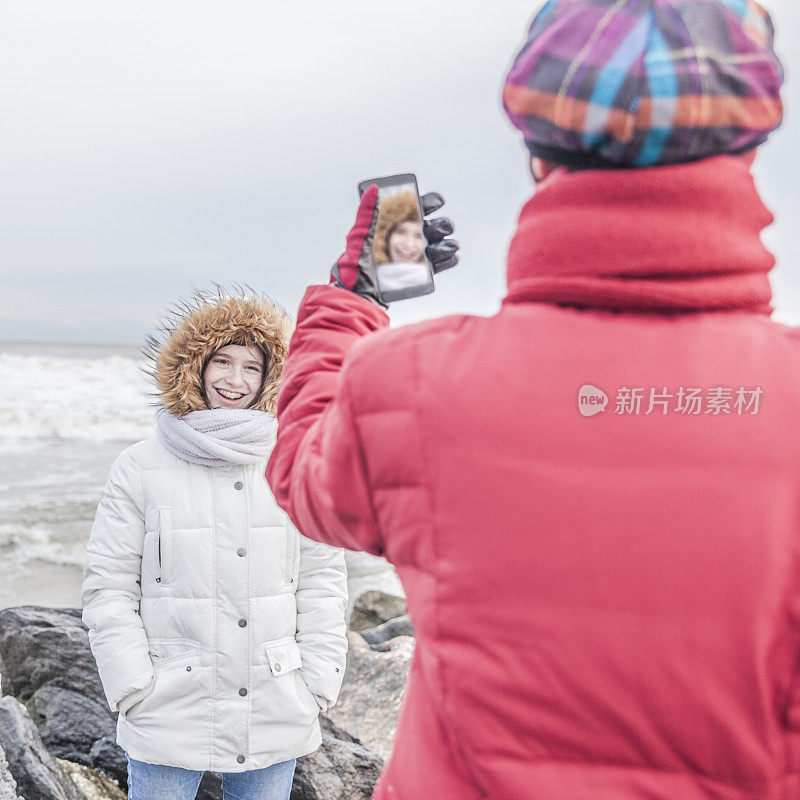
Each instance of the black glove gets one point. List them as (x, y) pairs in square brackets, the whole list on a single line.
[(442, 252)]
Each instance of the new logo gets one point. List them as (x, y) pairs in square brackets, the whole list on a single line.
[(591, 400)]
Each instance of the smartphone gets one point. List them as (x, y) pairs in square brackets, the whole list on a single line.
[(402, 270)]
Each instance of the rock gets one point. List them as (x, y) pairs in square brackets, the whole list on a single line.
[(371, 692), (41, 646), (108, 756), (64, 717), (374, 608), (210, 787), (38, 775), (366, 572), (50, 667), (91, 783), (341, 769), (8, 786), (399, 626)]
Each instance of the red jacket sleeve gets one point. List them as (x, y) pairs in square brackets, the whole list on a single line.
[(316, 469)]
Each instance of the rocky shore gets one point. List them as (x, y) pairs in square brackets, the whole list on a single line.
[(57, 734)]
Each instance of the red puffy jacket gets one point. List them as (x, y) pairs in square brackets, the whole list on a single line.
[(592, 499)]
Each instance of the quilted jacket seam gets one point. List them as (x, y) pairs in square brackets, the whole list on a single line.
[(450, 737), (345, 388), (211, 752)]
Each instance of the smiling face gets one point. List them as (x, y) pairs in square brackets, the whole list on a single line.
[(233, 377), (406, 242)]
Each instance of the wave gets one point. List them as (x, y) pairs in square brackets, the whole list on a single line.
[(21, 545), (96, 399)]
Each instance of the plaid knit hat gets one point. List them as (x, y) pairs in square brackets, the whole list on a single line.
[(639, 83)]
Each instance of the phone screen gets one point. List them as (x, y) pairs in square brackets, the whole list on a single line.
[(402, 269)]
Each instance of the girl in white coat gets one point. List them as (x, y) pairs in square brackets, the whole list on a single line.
[(218, 629)]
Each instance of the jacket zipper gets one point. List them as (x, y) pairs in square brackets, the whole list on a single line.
[(164, 541), (290, 545), (158, 579)]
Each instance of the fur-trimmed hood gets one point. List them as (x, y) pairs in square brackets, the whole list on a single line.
[(392, 210), (196, 328)]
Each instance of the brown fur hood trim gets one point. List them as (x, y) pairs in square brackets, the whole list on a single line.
[(196, 328), (392, 210)]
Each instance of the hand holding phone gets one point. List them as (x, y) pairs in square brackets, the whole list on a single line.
[(402, 269), (392, 253)]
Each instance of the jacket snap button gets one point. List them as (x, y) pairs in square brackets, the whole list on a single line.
[(243, 692), (238, 485), (241, 552), (188, 669), (277, 668), (240, 759), (242, 623)]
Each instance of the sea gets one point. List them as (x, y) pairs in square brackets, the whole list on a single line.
[(66, 412)]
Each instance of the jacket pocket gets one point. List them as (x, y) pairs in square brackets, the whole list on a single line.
[(164, 546), (283, 655), (177, 674), (288, 694), (165, 651)]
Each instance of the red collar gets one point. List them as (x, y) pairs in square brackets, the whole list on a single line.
[(667, 239)]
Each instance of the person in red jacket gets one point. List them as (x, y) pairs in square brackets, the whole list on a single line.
[(592, 498)]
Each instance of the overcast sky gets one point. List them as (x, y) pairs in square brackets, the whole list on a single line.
[(149, 147)]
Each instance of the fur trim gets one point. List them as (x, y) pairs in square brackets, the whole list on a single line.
[(195, 329), (392, 210)]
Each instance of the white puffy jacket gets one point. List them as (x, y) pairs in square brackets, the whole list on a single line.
[(217, 628)]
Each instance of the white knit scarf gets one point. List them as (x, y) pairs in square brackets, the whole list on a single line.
[(218, 437)]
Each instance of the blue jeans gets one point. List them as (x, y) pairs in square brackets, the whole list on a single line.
[(157, 782)]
